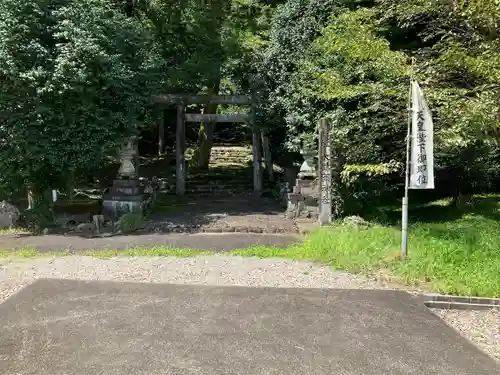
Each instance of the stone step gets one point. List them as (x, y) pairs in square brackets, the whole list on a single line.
[(219, 193), (217, 187), (228, 153), (213, 183), (224, 176), (211, 187), (217, 162), (231, 152), (220, 185), (231, 149), (211, 178)]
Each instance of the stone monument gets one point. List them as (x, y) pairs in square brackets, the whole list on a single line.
[(325, 174), (126, 195)]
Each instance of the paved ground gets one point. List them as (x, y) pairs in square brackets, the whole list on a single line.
[(202, 241), (73, 327)]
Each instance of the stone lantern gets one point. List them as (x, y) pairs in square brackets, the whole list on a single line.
[(129, 160), (126, 195), (309, 153)]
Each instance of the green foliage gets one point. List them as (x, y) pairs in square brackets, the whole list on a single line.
[(351, 173), (76, 76), (131, 222), (365, 184), (286, 109), (187, 36), (350, 61)]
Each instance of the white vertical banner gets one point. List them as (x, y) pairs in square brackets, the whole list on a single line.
[(422, 141)]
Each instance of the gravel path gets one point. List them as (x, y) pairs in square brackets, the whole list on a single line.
[(481, 327)]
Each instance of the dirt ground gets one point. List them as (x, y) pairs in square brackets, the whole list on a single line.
[(226, 214)]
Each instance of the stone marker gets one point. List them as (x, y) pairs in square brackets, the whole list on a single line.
[(325, 173)]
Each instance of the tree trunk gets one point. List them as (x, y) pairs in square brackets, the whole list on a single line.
[(206, 132), (217, 9), (266, 150), (160, 120), (42, 210)]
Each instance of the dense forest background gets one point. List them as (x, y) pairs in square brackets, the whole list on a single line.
[(77, 77)]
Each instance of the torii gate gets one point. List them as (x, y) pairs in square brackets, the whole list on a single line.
[(258, 138)]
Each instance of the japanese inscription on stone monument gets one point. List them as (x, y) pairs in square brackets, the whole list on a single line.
[(325, 173)]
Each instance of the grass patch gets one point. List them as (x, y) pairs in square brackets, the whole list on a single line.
[(31, 253), (451, 250), (13, 231), (159, 251), (339, 246)]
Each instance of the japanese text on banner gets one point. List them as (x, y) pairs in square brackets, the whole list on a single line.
[(422, 156)]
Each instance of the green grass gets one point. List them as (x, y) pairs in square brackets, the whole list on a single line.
[(451, 250), (159, 251), (13, 231)]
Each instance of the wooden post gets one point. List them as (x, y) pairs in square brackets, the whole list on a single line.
[(257, 158), (267, 156), (159, 113), (180, 135), (325, 173)]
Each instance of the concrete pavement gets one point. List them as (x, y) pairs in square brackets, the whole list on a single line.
[(67, 327)]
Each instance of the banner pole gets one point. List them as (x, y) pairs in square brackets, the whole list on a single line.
[(404, 208)]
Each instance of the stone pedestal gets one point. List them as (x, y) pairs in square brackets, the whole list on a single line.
[(303, 200), (125, 196)]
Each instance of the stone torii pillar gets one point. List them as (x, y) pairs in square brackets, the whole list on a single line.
[(159, 114), (257, 154), (180, 146)]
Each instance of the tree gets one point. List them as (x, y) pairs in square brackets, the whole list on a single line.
[(456, 47), (76, 76)]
